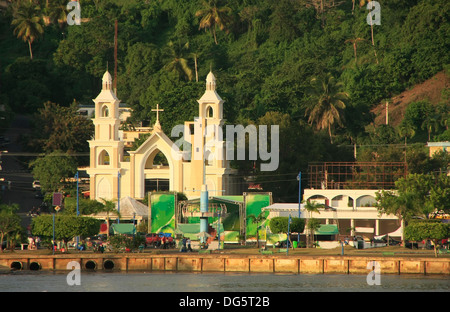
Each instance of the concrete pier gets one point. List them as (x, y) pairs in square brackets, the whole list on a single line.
[(228, 263)]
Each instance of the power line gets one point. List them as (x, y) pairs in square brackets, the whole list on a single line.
[(42, 154)]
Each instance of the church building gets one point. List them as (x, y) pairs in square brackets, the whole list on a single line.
[(114, 174)]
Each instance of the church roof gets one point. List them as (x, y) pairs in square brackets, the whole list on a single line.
[(128, 206), (107, 76), (210, 94), (159, 134), (107, 93)]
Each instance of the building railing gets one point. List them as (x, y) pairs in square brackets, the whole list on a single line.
[(355, 175)]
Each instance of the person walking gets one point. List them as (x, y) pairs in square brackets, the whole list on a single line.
[(183, 247), (164, 240)]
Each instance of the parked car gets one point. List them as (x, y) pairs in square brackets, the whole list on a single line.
[(39, 195), (152, 240), (36, 184), (393, 242), (384, 240), (283, 244), (411, 245)]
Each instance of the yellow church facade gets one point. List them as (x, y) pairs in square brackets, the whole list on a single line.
[(114, 176)]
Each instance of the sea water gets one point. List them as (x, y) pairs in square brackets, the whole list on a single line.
[(40, 281)]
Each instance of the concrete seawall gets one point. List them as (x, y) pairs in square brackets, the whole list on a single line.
[(228, 263)]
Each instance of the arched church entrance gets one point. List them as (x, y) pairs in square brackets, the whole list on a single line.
[(156, 172)]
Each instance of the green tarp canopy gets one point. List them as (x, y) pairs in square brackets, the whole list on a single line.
[(188, 228), (123, 228), (327, 229), (191, 230)]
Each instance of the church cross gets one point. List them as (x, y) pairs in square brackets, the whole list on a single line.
[(157, 110)]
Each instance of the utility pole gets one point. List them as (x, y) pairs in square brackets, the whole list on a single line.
[(115, 58), (387, 112), (299, 201)]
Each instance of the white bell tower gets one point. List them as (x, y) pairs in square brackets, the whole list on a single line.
[(106, 149)]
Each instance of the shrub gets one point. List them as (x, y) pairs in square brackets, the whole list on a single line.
[(280, 225)]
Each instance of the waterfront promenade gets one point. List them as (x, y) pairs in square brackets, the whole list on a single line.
[(391, 260)]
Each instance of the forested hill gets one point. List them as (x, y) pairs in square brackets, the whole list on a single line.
[(315, 67)]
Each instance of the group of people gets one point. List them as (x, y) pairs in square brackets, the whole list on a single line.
[(186, 245), (33, 242), (166, 242), (34, 211)]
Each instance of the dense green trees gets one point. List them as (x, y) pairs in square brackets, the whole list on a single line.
[(9, 224), (66, 227), (417, 195), (280, 225), (264, 59), (52, 170), (433, 230), (59, 128)]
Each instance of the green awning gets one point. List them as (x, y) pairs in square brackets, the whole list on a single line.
[(327, 229), (123, 228), (188, 228)]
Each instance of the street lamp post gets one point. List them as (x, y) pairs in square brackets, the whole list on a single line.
[(78, 199), (218, 226), (53, 243), (78, 205), (134, 226), (287, 239), (118, 196), (299, 177)]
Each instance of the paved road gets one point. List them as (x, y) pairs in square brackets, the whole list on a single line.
[(15, 170)]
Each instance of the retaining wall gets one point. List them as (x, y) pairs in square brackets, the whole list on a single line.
[(229, 263)]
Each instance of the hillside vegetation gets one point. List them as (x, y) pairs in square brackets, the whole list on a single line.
[(314, 67)]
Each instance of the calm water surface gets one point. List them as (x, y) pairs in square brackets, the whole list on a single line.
[(222, 282)]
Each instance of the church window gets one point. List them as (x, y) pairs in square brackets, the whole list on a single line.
[(103, 158), (209, 112), (156, 159), (105, 111), (208, 158)]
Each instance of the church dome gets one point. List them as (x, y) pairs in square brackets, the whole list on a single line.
[(107, 81), (210, 81)]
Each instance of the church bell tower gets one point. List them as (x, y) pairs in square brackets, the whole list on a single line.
[(106, 149)]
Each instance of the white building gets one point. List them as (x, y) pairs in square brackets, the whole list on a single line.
[(351, 210)]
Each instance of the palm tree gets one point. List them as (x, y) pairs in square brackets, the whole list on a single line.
[(27, 19), (213, 16), (361, 4), (109, 206), (355, 41), (177, 63), (57, 11), (313, 224), (406, 130), (195, 56), (247, 16), (258, 220), (430, 122), (329, 103), (444, 114)]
